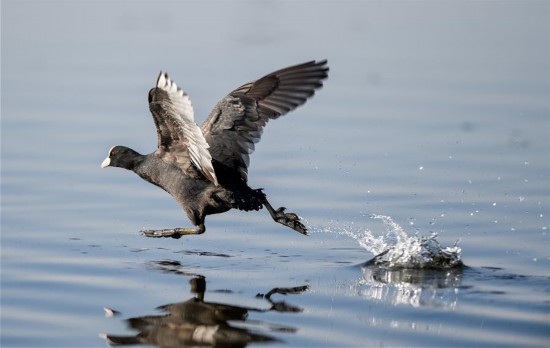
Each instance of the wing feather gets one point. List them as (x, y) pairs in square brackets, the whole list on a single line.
[(237, 121), (180, 140)]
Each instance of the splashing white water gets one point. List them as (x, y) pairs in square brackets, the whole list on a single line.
[(396, 249)]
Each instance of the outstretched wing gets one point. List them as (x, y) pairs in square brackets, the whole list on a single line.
[(237, 121), (180, 140)]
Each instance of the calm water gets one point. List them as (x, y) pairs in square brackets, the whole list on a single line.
[(436, 115)]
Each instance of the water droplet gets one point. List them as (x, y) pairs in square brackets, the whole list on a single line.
[(420, 168), (521, 198), (494, 204)]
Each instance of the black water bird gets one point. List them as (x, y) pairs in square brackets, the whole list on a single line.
[(205, 168)]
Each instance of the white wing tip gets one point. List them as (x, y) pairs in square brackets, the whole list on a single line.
[(165, 83)]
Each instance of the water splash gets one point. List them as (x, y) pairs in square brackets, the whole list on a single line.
[(396, 249)]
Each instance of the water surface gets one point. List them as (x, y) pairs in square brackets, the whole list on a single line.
[(435, 115)]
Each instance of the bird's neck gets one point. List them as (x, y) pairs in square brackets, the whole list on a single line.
[(133, 162), (148, 167)]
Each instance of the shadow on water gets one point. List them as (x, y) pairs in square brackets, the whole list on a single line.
[(197, 322)]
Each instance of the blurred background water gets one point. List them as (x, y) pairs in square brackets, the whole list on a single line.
[(436, 114)]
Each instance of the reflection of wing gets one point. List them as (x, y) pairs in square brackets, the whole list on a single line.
[(237, 121), (180, 140)]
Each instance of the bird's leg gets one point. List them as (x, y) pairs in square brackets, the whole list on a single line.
[(175, 233), (288, 219)]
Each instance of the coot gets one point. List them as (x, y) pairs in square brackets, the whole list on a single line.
[(205, 168)]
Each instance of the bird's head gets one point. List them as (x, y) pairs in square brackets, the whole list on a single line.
[(120, 156)]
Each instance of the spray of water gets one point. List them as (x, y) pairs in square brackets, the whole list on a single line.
[(396, 249)]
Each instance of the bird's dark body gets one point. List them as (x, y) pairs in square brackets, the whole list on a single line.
[(206, 169), (198, 197)]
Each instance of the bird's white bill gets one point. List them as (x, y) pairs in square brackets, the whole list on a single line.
[(105, 162)]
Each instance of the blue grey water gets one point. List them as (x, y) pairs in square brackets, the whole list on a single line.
[(436, 116)]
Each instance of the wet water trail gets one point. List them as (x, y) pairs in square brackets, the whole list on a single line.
[(395, 248)]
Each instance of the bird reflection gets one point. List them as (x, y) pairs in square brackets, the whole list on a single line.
[(199, 323)]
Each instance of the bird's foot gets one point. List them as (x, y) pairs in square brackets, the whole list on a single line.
[(289, 219), (175, 233), (164, 233)]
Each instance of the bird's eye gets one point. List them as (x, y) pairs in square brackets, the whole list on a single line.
[(112, 153)]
